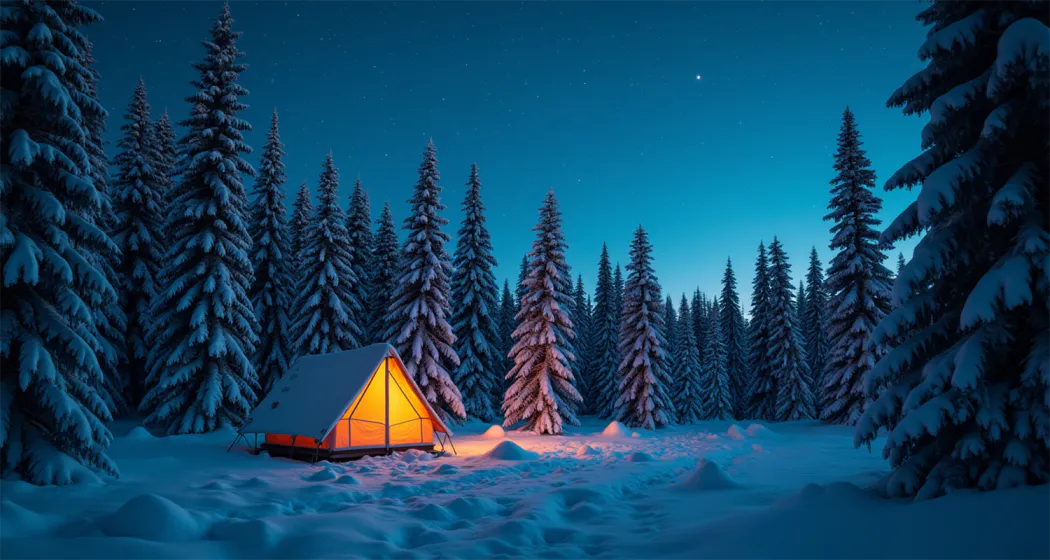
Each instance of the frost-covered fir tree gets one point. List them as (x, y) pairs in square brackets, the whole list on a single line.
[(167, 167), (508, 311), (699, 311), (786, 358), (323, 296), (900, 265), (203, 332), (523, 272), (302, 210), (762, 391), (618, 287), (386, 259), (271, 290), (542, 392), (605, 328), (644, 382), (734, 333), (688, 393), (963, 393), (813, 327), (50, 377), (858, 284), (670, 331), (714, 385), (581, 323), (359, 232), (475, 320), (138, 231), (800, 305), (417, 318)]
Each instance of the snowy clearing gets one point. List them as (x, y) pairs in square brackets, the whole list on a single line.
[(713, 490)]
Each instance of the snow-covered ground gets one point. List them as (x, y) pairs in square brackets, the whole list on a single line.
[(715, 490)]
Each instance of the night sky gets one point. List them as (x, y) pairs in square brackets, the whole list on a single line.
[(711, 124)]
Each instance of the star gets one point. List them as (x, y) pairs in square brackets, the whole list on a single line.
[(698, 77)]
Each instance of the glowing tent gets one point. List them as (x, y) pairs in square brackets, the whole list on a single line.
[(344, 405)]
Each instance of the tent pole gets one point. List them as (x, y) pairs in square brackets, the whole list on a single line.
[(239, 436), (291, 452), (386, 395)]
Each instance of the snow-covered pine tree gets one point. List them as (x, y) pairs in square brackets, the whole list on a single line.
[(670, 331), (523, 272), (618, 287), (167, 168), (542, 391), (900, 264), (272, 288), (417, 318), (203, 331), (138, 230), (858, 284), (688, 394), (800, 305), (508, 311), (605, 330), (322, 295), (963, 393), (813, 327), (644, 386), (386, 260), (581, 323), (475, 307), (734, 333), (714, 385), (302, 210), (53, 415), (359, 232), (762, 391), (786, 358)]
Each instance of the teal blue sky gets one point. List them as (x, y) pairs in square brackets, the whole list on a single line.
[(712, 124)]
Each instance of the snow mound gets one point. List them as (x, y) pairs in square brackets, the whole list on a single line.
[(614, 429), (255, 482), (347, 479), (21, 522), (258, 531), (734, 432), (473, 508), (494, 432), (327, 473), (510, 451), (640, 457), (433, 512), (139, 433), (708, 476), (587, 451), (758, 430), (365, 469), (447, 469), (217, 485), (636, 435), (152, 518), (413, 455)]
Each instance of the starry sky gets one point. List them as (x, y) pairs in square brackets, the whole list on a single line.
[(712, 124)]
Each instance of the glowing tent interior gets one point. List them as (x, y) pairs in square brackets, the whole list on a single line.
[(344, 405)]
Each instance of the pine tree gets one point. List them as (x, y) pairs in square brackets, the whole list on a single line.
[(417, 318), (813, 327), (53, 415), (167, 157), (523, 272), (138, 232), (963, 393), (699, 313), (581, 322), (714, 382), (734, 332), (386, 261), (688, 394), (670, 331), (604, 340), (762, 392), (618, 287), (508, 310), (786, 358), (323, 296), (203, 333), (643, 400), (271, 289), (302, 209), (359, 233), (800, 305), (900, 264), (542, 391), (857, 284), (474, 320)]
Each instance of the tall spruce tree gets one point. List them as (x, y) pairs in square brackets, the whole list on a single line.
[(139, 232), (670, 331), (323, 296), (900, 264), (688, 393), (542, 391), (204, 331), (605, 328), (858, 284), (581, 323), (167, 165), (715, 384), (734, 333), (417, 318), (508, 310), (813, 327), (618, 287), (787, 359), (644, 382), (762, 390), (302, 210), (475, 319), (386, 260), (523, 272), (699, 311), (359, 233), (963, 393), (271, 289), (800, 306)]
